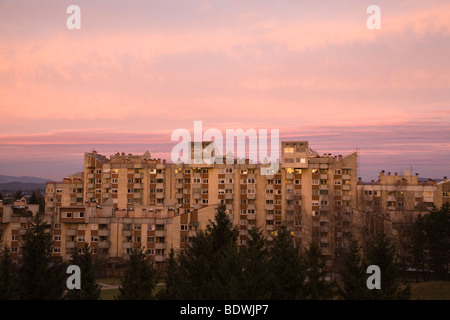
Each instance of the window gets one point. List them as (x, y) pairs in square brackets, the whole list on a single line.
[(78, 214), (94, 238), (57, 238), (337, 182), (56, 250), (80, 238), (183, 227), (288, 150), (337, 171), (68, 215), (15, 237), (205, 181), (205, 201), (57, 225), (315, 181), (229, 170)]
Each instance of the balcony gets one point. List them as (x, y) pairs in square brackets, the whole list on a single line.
[(251, 196), (138, 185), (178, 196), (289, 176), (90, 186), (269, 216), (71, 232), (159, 195), (270, 206), (251, 216), (159, 258), (160, 176), (270, 227), (160, 233), (137, 195), (90, 176), (346, 187), (106, 175), (70, 244), (270, 196), (368, 198), (346, 198), (160, 245), (106, 185), (323, 187), (105, 195), (103, 244), (89, 195), (178, 185), (324, 176), (228, 196), (138, 176), (103, 232), (251, 206), (127, 245), (126, 233), (346, 177)]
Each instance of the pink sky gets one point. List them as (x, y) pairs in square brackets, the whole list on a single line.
[(311, 69)]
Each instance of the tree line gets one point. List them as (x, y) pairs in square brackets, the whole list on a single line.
[(213, 266)]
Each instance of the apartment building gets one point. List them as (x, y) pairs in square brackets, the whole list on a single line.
[(392, 204), (131, 201), (134, 201), (13, 223)]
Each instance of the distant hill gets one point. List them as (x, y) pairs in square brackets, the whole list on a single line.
[(24, 179), (23, 186), (24, 183)]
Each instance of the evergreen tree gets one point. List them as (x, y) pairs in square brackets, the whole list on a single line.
[(33, 198), (18, 195), (8, 278), (316, 287), (419, 240), (90, 289), (437, 238), (255, 283), (287, 268), (353, 273), (382, 252), (40, 278), (138, 281), (175, 284), (211, 264)]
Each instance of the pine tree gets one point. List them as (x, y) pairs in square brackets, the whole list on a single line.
[(90, 289), (211, 263), (382, 252), (255, 283), (175, 284), (138, 281), (8, 276), (33, 198), (353, 274), (40, 278), (316, 287), (437, 236), (18, 195), (419, 241), (287, 268)]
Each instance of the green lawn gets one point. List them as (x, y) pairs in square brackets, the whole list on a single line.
[(433, 290), (109, 294)]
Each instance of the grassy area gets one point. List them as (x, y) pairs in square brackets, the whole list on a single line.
[(110, 281), (109, 294), (433, 290)]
